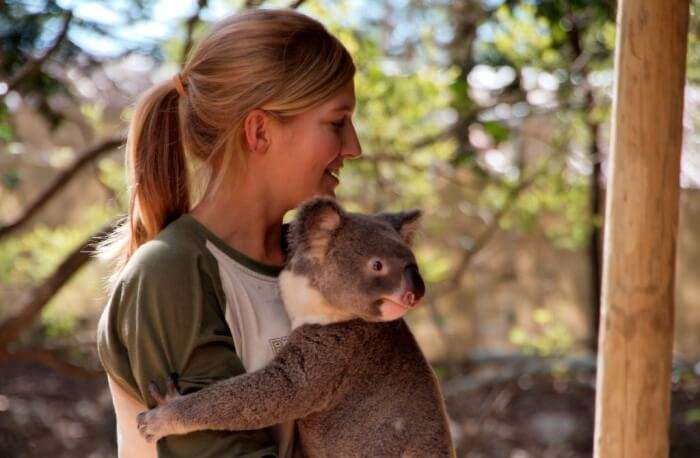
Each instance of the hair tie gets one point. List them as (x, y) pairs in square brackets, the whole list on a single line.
[(179, 87)]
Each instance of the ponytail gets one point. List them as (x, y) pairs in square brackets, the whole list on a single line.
[(157, 175)]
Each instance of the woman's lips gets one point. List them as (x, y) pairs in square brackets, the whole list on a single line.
[(330, 176)]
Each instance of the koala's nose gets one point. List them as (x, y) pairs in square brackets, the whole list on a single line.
[(414, 283)]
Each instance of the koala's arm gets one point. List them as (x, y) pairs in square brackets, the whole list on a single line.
[(302, 379)]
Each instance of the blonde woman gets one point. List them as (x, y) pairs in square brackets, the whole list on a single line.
[(263, 106)]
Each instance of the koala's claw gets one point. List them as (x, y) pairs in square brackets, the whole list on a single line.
[(159, 422), (156, 423), (171, 391)]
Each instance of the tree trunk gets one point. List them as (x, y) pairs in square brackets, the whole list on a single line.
[(636, 331)]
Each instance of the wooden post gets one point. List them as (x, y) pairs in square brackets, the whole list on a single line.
[(636, 331)]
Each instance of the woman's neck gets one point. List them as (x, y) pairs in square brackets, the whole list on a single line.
[(246, 219)]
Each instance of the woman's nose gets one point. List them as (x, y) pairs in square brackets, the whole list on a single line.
[(351, 147)]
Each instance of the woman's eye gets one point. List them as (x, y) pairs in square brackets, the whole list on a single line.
[(339, 124)]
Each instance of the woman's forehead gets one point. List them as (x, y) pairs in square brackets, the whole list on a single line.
[(343, 100)]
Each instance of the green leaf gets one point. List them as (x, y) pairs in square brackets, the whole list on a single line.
[(498, 131)]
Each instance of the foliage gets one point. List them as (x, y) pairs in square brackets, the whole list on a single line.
[(434, 135), (27, 259), (692, 416), (548, 337), (23, 32)]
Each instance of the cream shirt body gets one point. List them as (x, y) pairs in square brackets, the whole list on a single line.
[(258, 321)]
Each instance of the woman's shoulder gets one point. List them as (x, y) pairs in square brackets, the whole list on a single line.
[(169, 273), (175, 251)]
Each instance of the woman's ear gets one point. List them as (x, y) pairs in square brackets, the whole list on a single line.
[(257, 126)]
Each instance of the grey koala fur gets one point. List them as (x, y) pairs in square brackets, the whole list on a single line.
[(351, 372)]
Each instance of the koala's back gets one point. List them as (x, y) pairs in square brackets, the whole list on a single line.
[(387, 401)]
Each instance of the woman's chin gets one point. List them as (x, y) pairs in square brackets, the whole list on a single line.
[(326, 190)]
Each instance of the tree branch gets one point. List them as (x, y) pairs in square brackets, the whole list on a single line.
[(11, 328), (54, 361), (112, 197), (516, 366), (33, 64), (190, 25), (84, 158), (486, 234)]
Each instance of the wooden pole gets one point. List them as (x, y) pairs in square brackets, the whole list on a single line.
[(636, 331)]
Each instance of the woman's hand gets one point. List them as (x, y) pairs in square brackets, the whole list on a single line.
[(160, 421)]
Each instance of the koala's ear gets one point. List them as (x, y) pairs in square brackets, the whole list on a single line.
[(315, 222), (405, 223)]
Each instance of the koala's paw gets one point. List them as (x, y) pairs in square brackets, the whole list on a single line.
[(152, 425), (157, 422)]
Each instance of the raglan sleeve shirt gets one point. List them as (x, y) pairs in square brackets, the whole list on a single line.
[(166, 315)]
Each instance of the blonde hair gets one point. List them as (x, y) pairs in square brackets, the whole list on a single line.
[(279, 60)]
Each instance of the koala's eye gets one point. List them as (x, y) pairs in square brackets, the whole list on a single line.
[(377, 265)]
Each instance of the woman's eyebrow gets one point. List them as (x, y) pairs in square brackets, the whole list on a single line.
[(345, 107)]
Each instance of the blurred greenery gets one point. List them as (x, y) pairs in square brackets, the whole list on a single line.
[(490, 115), (485, 120), (549, 338), (693, 416)]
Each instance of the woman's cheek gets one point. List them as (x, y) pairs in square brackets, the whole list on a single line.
[(334, 146)]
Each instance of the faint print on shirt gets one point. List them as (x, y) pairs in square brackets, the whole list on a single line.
[(278, 343)]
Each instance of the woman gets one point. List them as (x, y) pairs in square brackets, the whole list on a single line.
[(263, 106)]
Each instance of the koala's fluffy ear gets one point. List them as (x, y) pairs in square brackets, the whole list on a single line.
[(406, 223), (315, 222)]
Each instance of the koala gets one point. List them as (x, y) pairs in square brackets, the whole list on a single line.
[(351, 372)]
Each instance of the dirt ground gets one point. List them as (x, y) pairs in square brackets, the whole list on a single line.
[(44, 414), (544, 417)]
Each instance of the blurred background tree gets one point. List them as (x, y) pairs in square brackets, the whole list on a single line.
[(491, 115)]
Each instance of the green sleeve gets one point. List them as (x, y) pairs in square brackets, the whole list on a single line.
[(170, 320)]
